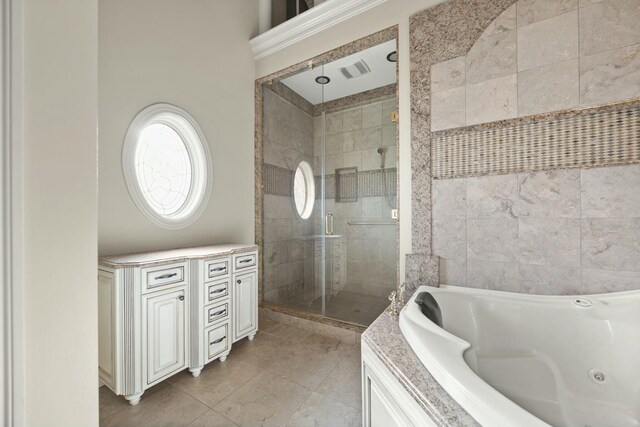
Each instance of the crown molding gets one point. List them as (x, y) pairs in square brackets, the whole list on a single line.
[(313, 21)]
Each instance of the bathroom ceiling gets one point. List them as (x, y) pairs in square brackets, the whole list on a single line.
[(381, 73)]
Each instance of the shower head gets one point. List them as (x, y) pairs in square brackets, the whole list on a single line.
[(381, 152)]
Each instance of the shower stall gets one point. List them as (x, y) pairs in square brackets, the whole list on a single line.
[(329, 187)]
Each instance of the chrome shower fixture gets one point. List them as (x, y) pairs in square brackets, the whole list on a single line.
[(381, 151)]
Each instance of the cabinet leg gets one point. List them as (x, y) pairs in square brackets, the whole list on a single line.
[(196, 371), (223, 358), (133, 399), (252, 336)]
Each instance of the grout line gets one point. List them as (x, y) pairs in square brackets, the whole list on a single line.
[(222, 415), (260, 370), (579, 104), (517, 64), (580, 171)]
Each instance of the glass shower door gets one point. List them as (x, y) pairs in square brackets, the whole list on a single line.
[(329, 190), (293, 192)]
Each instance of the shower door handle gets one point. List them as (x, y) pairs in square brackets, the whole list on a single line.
[(328, 224)]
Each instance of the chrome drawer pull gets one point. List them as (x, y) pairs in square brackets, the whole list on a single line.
[(166, 276), (242, 261), (219, 269), (218, 313), (218, 341), (217, 291)]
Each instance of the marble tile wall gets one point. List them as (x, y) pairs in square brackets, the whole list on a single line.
[(287, 139), (353, 136), (571, 231), (540, 56)]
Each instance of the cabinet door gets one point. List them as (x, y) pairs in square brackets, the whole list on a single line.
[(379, 407), (106, 329), (383, 414), (245, 304), (166, 334)]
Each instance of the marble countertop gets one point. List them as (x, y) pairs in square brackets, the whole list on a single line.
[(173, 255), (386, 340)]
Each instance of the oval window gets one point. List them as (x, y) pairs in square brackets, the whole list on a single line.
[(166, 165), (304, 194)]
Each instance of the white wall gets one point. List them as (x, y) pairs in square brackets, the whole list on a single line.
[(195, 54), (60, 212), (392, 12)]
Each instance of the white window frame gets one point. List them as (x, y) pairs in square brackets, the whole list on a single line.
[(310, 198), (197, 147)]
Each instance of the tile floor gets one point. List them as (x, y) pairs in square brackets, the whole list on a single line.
[(286, 376)]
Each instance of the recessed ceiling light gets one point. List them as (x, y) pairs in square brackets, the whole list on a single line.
[(393, 56), (323, 80)]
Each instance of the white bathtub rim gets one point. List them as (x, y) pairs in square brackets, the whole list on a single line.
[(483, 402), (456, 376), (528, 297)]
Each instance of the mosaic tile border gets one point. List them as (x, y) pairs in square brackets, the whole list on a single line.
[(601, 136), (278, 181), (370, 184)]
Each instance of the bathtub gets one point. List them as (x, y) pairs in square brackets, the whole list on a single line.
[(527, 360)]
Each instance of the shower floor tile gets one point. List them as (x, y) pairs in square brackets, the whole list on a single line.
[(353, 307), (284, 377)]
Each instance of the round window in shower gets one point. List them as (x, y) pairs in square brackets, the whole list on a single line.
[(304, 193), (166, 165)]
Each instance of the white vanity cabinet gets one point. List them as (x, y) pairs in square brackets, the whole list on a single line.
[(162, 312)]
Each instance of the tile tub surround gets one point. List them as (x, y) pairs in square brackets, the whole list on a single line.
[(287, 376), (441, 33), (462, 51), (569, 231), (540, 56)]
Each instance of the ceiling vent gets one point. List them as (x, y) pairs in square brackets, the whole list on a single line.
[(358, 69)]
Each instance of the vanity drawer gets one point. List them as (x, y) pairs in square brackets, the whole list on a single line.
[(216, 268), (216, 291), (164, 275), (216, 341), (241, 262), (216, 313)]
